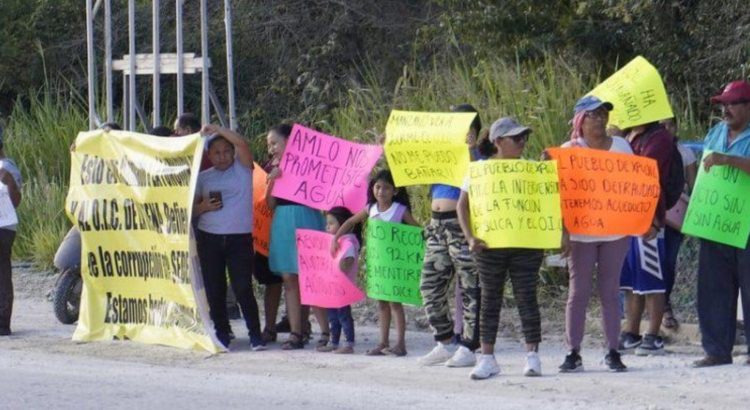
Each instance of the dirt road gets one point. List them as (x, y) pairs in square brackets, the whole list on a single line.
[(43, 368)]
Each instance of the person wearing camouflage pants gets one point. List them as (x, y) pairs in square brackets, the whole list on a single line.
[(447, 255)]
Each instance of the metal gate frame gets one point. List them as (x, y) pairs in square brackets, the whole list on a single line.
[(155, 64)]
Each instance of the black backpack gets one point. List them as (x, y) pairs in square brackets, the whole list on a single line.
[(676, 180)]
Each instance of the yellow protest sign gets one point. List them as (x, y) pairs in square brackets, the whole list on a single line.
[(427, 147), (131, 197), (515, 203), (637, 93)]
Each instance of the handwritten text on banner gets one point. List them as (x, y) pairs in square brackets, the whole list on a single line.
[(322, 171), (427, 148), (606, 193), (395, 253), (321, 281), (718, 206), (637, 93), (515, 203)]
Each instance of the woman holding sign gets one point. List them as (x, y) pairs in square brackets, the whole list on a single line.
[(447, 255), (508, 139), (586, 251), (282, 255)]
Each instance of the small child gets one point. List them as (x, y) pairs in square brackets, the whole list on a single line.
[(341, 318), (387, 203)]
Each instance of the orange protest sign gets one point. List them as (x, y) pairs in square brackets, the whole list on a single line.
[(262, 214), (606, 193)]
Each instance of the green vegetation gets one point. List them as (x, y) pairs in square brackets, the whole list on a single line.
[(542, 95), (39, 136)]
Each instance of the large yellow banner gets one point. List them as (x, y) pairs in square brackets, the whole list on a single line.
[(131, 197), (515, 203), (427, 147), (637, 93)]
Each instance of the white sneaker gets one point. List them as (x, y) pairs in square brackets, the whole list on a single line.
[(438, 355), (485, 368), (533, 366), (462, 358)]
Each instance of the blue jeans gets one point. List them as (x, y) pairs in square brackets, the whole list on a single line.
[(341, 319), (723, 271)]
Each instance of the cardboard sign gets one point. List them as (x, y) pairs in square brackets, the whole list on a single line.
[(321, 282), (427, 148), (322, 171), (637, 93), (606, 193), (395, 253), (719, 205), (515, 203), (262, 214)]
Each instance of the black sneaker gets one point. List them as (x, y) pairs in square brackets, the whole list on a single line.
[(651, 345), (224, 339), (572, 364), (613, 361), (629, 341)]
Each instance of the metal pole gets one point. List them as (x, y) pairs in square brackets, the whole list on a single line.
[(131, 78), (230, 66), (157, 79), (125, 103), (180, 63), (108, 57), (205, 103), (91, 62)]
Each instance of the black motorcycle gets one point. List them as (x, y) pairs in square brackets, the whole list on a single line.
[(69, 284)]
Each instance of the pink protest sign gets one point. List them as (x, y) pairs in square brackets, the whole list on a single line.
[(321, 282), (322, 171)]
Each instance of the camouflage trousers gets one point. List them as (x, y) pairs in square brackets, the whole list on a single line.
[(447, 256)]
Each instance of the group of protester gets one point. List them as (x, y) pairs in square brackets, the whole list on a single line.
[(223, 223), (454, 254)]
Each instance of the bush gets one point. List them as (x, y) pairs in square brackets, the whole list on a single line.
[(39, 136)]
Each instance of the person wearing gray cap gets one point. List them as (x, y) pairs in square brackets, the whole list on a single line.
[(10, 177), (586, 251), (508, 139)]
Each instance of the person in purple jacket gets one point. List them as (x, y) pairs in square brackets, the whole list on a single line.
[(642, 276)]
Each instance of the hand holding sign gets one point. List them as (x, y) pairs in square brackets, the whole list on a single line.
[(637, 93), (321, 281), (717, 206), (262, 214), (515, 204), (606, 193), (395, 253), (322, 171), (428, 148)]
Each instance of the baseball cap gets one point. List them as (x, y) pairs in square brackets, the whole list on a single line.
[(735, 91), (506, 127), (590, 103)]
